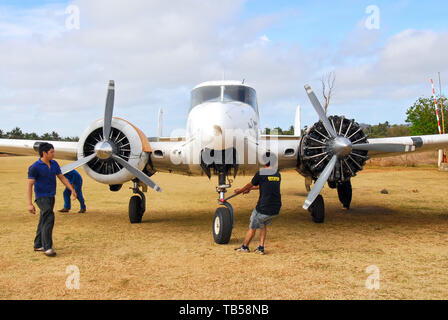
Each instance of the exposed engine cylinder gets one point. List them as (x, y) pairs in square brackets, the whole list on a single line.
[(317, 148), (125, 140)]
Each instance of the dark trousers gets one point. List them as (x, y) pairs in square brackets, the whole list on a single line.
[(44, 233), (68, 193)]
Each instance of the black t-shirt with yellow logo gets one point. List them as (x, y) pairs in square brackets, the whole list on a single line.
[(270, 200)]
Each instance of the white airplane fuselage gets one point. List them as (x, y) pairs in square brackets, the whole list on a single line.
[(221, 122), (223, 116)]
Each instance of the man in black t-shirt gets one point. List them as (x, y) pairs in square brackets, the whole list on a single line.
[(267, 180)]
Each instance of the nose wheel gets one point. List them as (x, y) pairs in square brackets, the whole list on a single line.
[(223, 219), (222, 225)]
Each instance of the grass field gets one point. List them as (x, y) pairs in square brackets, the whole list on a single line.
[(172, 255)]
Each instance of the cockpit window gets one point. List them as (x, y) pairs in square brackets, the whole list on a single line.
[(203, 94), (225, 94)]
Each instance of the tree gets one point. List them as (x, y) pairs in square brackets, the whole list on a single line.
[(398, 130), (422, 116), (47, 136), (278, 130), (290, 131), (55, 136), (15, 133), (327, 88), (31, 136)]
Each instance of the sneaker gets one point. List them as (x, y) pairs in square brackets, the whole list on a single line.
[(50, 253), (64, 210), (259, 250), (242, 249), (39, 249), (82, 211)]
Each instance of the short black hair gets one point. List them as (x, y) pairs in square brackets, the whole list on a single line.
[(45, 147), (268, 158)]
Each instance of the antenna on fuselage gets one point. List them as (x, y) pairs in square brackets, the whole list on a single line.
[(160, 122)]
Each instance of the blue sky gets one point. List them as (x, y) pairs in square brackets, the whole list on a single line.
[(157, 51)]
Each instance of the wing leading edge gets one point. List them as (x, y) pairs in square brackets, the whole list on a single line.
[(63, 149), (413, 143)]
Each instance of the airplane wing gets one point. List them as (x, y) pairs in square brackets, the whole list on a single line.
[(407, 144), (287, 146), (63, 149), (169, 154)]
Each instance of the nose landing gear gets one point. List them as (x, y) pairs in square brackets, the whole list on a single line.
[(223, 220)]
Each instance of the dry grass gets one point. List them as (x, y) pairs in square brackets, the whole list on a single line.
[(171, 255)]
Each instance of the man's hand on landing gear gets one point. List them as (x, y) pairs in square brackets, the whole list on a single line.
[(238, 191)]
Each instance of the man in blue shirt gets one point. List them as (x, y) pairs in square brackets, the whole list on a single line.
[(75, 180), (42, 175)]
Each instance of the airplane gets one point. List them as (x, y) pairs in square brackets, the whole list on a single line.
[(223, 139)]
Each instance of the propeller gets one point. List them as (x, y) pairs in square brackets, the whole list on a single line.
[(105, 149), (339, 147), (312, 195), (320, 111)]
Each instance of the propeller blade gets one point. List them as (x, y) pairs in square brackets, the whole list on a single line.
[(139, 174), (320, 182), (72, 166), (384, 147), (320, 111), (109, 110)]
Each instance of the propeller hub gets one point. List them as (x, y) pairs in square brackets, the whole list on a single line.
[(341, 146), (104, 150)]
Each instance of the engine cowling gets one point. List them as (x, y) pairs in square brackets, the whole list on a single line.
[(316, 149), (128, 142)]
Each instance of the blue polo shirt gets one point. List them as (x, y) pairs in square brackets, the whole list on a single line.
[(44, 177), (74, 178)]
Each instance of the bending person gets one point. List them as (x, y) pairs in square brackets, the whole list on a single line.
[(75, 180)]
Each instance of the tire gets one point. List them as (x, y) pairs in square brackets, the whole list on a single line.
[(135, 209), (345, 194), (222, 225), (317, 210)]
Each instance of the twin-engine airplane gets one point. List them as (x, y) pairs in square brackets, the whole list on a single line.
[(223, 139)]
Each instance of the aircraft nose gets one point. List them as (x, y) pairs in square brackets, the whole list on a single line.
[(220, 124)]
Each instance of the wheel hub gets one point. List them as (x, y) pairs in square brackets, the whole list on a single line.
[(217, 225)]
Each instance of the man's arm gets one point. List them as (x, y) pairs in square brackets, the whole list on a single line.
[(31, 207), (246, 188), (68, 185)]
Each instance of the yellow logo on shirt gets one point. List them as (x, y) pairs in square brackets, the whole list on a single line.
[(273, 179)]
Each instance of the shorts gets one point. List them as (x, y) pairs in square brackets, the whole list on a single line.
[(258, 220)]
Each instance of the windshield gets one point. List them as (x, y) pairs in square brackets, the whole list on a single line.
[(224, 93)]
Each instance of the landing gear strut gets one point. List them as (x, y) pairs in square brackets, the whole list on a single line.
[(137, 204), (223, 219)]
